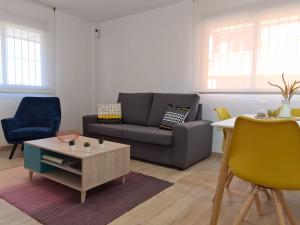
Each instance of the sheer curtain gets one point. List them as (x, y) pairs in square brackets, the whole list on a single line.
[(27, 40), (245, 48)]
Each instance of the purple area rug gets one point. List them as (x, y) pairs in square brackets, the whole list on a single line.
[(53, 204)]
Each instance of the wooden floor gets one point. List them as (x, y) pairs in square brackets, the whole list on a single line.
[(5, 163), (188, 202)]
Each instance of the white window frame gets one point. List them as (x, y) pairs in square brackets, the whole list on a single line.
[(46, 81)]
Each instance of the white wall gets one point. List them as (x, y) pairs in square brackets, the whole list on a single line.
[(159, 51), (73, 68), (74, 43), (151, 51)]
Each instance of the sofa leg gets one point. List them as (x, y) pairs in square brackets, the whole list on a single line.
[(13, 151)]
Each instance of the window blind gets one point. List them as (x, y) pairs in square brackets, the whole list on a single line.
[(26, 49), (243, 50)]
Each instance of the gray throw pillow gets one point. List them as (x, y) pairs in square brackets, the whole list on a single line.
[(174, 115)]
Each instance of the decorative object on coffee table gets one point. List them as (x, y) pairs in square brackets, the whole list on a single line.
[(67, 136), (287, 92), (72, 145), (101, 142), (87, 146)]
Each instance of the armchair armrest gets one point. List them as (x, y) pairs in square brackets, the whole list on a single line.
[(192, 143), (86, 120), (55, 125), (9, 125)]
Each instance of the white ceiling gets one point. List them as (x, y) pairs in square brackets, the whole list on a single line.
[(102, 10)]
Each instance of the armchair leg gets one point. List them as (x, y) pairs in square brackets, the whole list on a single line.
[(22, 148), (13, 151)]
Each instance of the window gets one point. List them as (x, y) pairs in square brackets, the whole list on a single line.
[(21, 67), (244, 54)]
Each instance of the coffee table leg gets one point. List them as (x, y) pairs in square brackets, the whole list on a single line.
[(83, 195), (123, 180), (30, 174)]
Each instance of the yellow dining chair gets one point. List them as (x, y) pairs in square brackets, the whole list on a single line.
[(266, 153), (295, 112), (224, 114)]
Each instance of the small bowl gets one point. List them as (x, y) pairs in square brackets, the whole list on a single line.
[(67, 136)]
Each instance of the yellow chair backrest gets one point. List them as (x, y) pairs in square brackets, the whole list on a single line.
[(223, 114), (266, 153), (295, 112)]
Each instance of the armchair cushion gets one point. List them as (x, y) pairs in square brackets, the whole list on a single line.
[(30, 133)]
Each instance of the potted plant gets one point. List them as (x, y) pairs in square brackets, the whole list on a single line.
[(87, 146), (287, 91), (72, 145), (101, 142)]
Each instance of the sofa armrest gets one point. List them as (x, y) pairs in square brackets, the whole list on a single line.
[(86, 120), (9, 125), (192, 143)]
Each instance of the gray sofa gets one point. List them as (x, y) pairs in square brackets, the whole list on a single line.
[(142, 113)]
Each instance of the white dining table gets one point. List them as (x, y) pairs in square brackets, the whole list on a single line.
[(228, 125)]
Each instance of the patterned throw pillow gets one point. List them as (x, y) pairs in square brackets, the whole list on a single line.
[(174, 115), (110, 114)]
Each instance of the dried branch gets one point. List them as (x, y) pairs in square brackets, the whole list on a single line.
[(289, 90)]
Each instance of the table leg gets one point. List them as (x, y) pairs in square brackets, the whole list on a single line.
[(123, 180), (83, 196), (221, 180), (30, 174)]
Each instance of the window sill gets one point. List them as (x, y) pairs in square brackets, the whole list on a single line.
[(26, 91), (241, 92)]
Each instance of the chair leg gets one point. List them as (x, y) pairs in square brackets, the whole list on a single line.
[(286, 208), (246, 206), (258, 205), (229, 179), (266, 193), (228, 182), (13, 151), (278, 207)]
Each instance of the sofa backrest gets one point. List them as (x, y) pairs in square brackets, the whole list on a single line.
[(162, 100), (135, 107)]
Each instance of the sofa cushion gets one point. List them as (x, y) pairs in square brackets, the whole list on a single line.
[(135, 107), (109, 114), (161, 102), (31, 133), (111, 130), (151, 135), (174, 115)]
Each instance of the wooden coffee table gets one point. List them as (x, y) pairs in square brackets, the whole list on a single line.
[(100, 165)]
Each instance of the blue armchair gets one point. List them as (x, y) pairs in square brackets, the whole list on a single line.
[(36, 118)]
